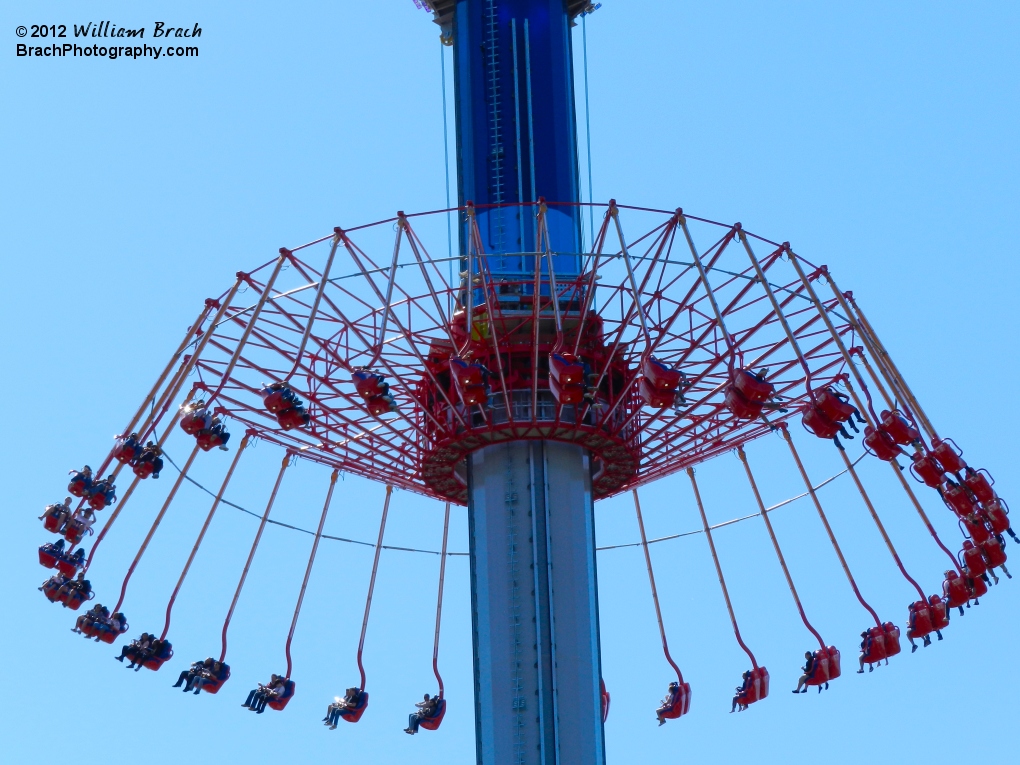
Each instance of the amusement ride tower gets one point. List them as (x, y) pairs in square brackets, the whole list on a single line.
[(546, 374), (530, 503)]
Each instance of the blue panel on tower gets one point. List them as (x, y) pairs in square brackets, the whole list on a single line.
[(516, 133)]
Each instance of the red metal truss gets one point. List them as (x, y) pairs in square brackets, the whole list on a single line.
[(687, 291)]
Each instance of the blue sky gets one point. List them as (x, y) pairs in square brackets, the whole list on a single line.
[(878, 138)]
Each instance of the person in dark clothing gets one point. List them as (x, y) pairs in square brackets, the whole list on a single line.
[(808, 669), (187, 677), (427, 708), (258, 698), (741, 692), (350, 700), (668, 702)]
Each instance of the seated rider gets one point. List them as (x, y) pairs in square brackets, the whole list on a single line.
[(84, 518), (808, 669), (668, 702), (54, 584), (152, 453), (56, 549), (188, 676), (94, 615), (219, 431), (104, 486), (136, 651), (350, 700), (258, 698), (741, 692), (866, 642), (61, 512), (80, 586), (212, 673), (427, 707)]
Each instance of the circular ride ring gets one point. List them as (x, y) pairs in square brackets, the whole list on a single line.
[(698, 296)]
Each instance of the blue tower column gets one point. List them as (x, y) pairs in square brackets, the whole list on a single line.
[(533, 576), (534, 606)]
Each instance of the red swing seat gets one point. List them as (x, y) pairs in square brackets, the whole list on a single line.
[(740, 406), (126, 450), (368, 384), (52, 523), (956, 592), (752, 388), (51, 590), (660, 376), (757, 687), (658, 398), (973, 559), (896, 425), (680, 703), (213, 685), (891, 639), (994, 553), (274, 401), (959, 500), (74, 598), (978, 532), (99, 500), (881, 444), (927, 469), (79, 485), (108, 636), (144, 469), (48, 559), (193, 423), (949, 455), (566, 369), (920, 617), (875, 649), (280, 703), (980, 485), (433, 722), (379, 405), (74, 531), (467, 374), (295, 417), (815, 421), (996, 513), (833, 407), (65, 567), (567, 393), (939, 613), (979, 588), (353, 714), (166, 652), (826, 666)]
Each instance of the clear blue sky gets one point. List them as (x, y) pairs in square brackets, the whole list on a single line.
[(878, 138)]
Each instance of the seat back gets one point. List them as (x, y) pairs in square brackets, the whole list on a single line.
[(654, 396), (566, 369), (833, 407), (284, 698), (754, 390), (661, 376), (353, 715), (949, 458), (740, 406), (433, 722), (818, 423), (927, 469)]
